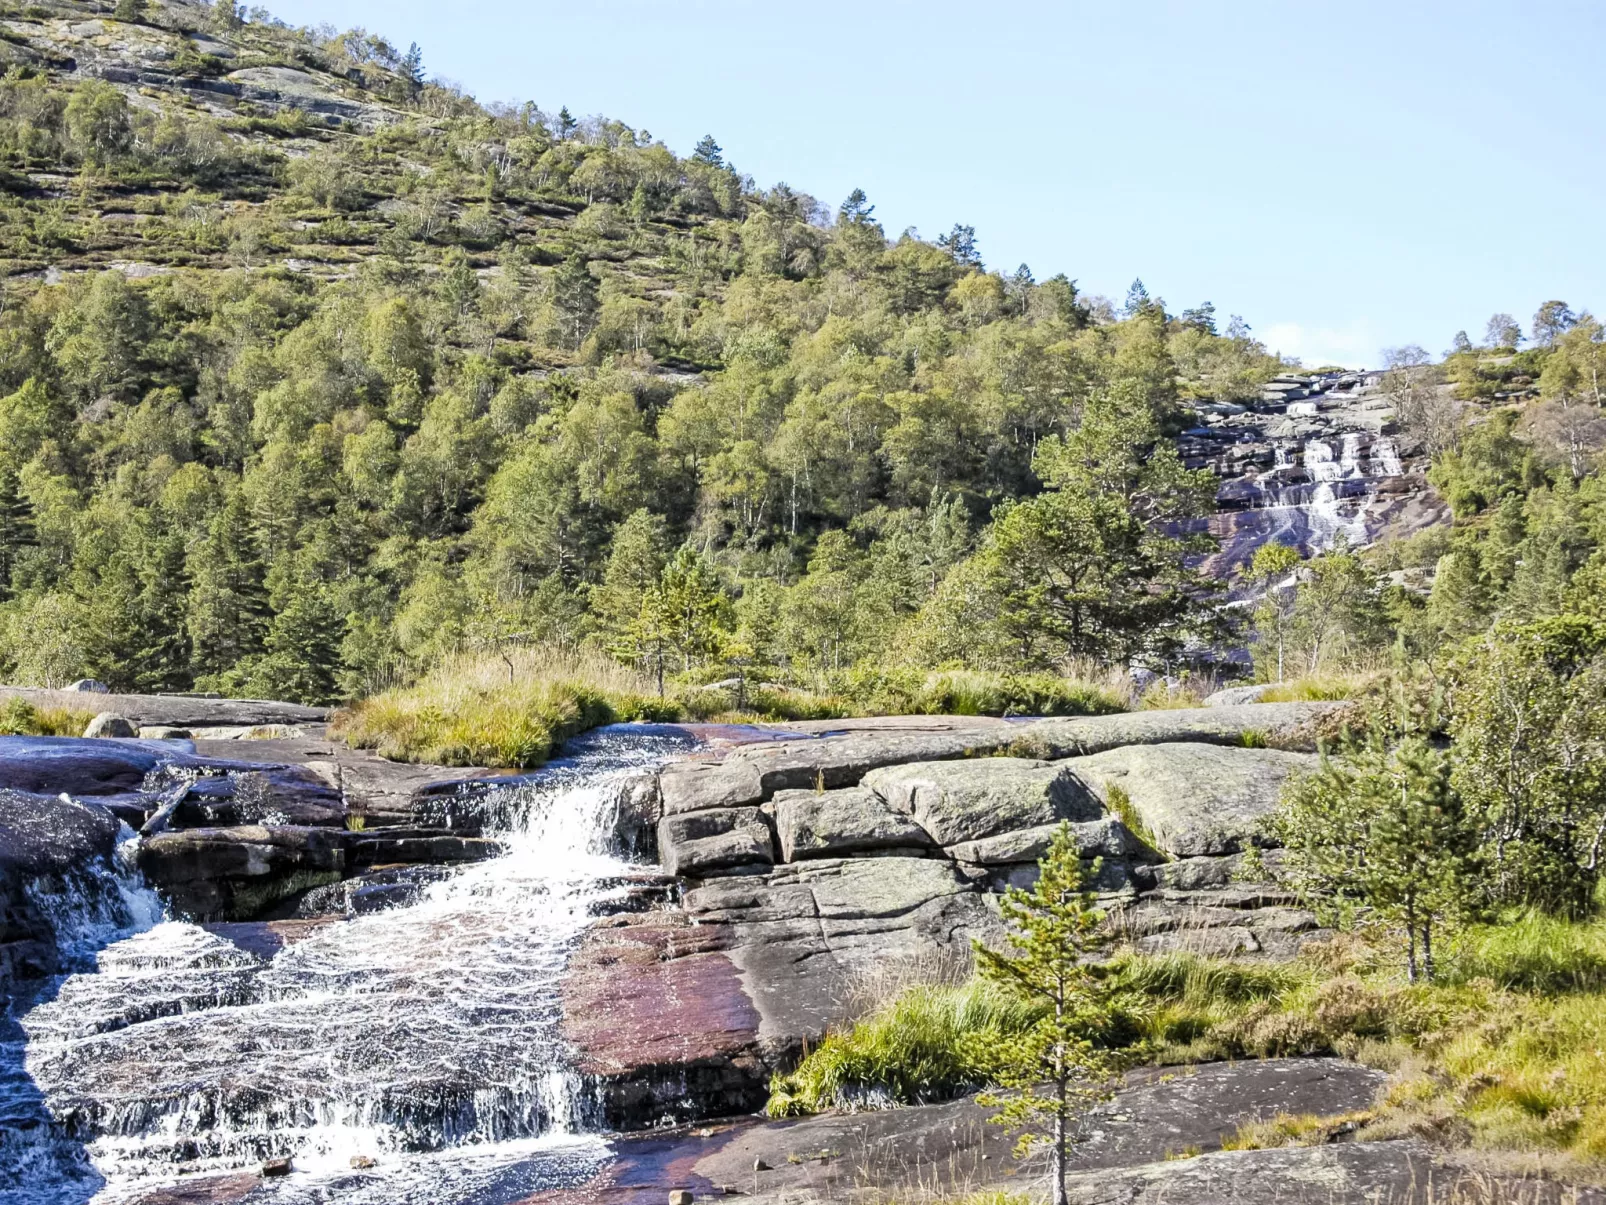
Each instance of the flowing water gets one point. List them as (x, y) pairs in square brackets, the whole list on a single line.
[(423, 1039)]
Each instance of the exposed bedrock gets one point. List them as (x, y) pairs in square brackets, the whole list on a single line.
[(814, 867)]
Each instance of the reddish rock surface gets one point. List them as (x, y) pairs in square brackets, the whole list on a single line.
[(661, 1021)]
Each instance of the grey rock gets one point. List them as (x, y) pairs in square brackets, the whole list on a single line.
[(843, 760), (1358, 1173), (693, 786), (1233, 696), (163, 732), (1195, 799), (834, 823), (238, 873), (109, 725), (714, 841), (1082, 735), (90, 686), (967, 800), (1106, 838)]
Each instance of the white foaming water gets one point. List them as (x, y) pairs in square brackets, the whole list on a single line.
[(1328, 520), (425, 1037), (1349, 457), (1319, 461), (1301, 409), (1385, 459)]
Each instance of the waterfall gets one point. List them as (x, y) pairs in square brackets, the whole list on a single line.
[(1319, 461), (1385, 458), (87, 910), (1280, 457), (1301, 410), (424, 1038), (1349, 458)]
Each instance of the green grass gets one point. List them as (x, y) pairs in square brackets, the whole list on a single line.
[(1506, 1051), (913, 1049), (1319, 688), (487, 710), (18, 717)]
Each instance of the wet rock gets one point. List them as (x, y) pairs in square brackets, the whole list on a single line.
[(110, 725), (966, 800), (51, 765), (238, 873), (49, 848), (715, 841), (1195, 799), (854, 820), (417, 845)]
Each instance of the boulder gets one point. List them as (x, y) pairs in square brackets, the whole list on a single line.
[(110, 725), (1233, 696), (961, 801), (833, 823), (89, 686), (715, 841), (1194, 799), (163, 732), (50, 848)]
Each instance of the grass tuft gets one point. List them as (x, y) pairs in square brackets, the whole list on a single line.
[(21, 718)]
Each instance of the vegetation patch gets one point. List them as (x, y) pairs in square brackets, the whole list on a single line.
[(18, 717)]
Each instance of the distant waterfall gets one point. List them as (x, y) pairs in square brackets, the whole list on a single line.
[(1319, 462), (1349, 459), (1385, 458)]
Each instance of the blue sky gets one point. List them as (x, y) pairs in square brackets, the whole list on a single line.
[(1347, 176)]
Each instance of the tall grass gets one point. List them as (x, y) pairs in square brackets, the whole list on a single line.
[(1505, 1051), (501, 709), (916, 1048), (1318, 688), (18, 717)]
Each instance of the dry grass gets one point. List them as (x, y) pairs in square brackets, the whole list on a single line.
[(1318, 688), (495, 709), (19, 717)]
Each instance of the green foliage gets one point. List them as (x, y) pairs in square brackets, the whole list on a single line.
[(18, 717), (925, 1044), (1382, 826), (1049, 1072), (1528, 705)]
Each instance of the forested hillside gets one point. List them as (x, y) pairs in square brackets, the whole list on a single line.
[(312, 371)]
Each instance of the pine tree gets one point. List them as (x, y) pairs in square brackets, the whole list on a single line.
[(228, 603), (16, 529), (574, 296), (709, 152), (567, 125), (303, 648), (1051, 1072), (1385, 828)]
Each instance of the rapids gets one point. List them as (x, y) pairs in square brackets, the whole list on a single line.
[(423, 1039)]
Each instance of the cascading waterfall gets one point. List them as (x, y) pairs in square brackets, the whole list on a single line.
[(1349, 457), (1319, 463), (1385, 458), (424, 1038)]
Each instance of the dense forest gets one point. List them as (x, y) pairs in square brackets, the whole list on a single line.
[(292, 404)]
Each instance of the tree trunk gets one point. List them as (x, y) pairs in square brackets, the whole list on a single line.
[(1427, 950), (1059, 1144), (1410, 951)]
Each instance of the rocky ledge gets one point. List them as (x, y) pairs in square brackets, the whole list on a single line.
[(811, 867)]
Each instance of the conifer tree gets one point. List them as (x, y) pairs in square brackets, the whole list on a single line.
[(228, 603), (16, 528), (1385, 828), (1051, 1072)]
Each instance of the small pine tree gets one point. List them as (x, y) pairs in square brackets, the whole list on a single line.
[(228, 602), (226, 14), (1384, 827), (1055, 927), (567, 124), (709, 152)]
